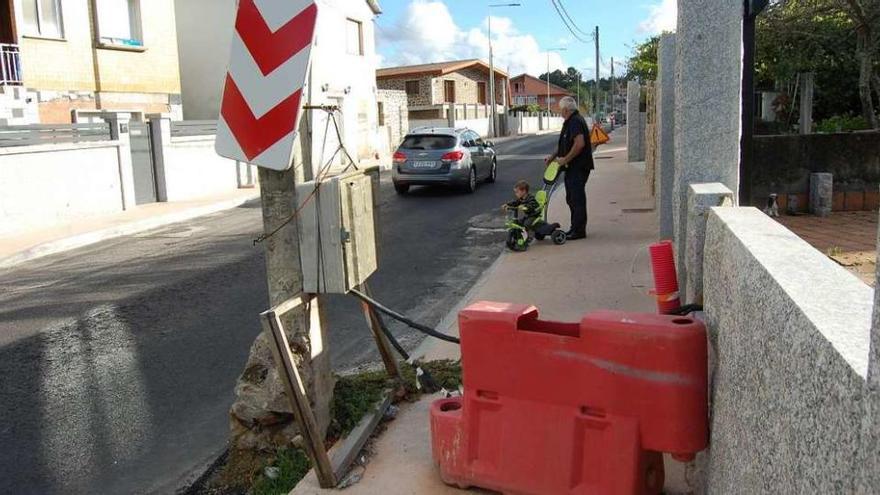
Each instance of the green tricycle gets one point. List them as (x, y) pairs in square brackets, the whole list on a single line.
[(519, 234)]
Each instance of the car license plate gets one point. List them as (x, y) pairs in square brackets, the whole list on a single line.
[(424, 164)]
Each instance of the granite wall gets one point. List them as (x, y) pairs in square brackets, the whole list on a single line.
[(789, 331)]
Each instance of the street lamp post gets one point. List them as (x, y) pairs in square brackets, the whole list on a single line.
[(557, 49), (492, 120)]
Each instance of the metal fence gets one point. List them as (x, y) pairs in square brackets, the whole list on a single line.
[(29, 135), (193, 128), (10, 65)]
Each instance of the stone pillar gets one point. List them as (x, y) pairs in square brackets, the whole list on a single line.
[(450, 114), (160, 138), (119, 131), (768, 114), (665, 94), (874, 353), (806, 91), (643, 145), (701, 199), (708, 68), (821, 192), (633, 121)]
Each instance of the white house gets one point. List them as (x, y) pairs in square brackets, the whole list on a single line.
[(343, 70)]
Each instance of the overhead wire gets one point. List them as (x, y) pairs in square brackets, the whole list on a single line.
[(565, 11), (565, 22)]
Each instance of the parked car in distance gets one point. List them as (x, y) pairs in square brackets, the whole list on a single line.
[(443, 156)]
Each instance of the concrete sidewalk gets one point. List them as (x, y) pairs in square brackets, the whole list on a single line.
[(25, 246), (608, 270)]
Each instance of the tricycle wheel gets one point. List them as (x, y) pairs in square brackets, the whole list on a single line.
[(559, 237)]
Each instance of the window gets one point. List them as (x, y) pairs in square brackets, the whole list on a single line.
[(42, 18), (449, 91), (428, 142), (481, 93), (354, 37), (119, 22), (381, 114), (412, 88)]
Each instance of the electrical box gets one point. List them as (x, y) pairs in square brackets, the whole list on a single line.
[(337, 233)]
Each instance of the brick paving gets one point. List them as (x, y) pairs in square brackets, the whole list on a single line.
[(847, 237)]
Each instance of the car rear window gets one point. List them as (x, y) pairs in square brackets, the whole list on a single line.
[(428, 142)]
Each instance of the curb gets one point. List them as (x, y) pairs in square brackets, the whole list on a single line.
[(85, 239)]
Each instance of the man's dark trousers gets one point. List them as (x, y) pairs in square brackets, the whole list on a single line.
[(576, 197)]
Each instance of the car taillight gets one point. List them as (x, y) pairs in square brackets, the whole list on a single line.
[(453, 156), (399, 157)]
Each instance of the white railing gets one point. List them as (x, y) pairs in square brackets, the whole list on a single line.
[(10, 65)]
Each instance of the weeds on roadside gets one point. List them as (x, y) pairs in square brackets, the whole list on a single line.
[(353, 397)]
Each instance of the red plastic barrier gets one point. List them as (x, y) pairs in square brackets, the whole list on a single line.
[(665, 277), (567, 408)]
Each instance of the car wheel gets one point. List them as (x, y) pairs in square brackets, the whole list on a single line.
[(401, 188), (493, 172), (472, 181)]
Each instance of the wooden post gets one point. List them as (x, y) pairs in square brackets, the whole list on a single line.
[(305, 332), (385, 350), (296, 391)]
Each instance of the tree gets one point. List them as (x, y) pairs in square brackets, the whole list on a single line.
[(865, 15), (642, 65), (835, 39)]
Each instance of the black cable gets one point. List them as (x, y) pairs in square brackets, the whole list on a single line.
[(565, 11), (424, 378), (686, 310), (403, 319), (565, 21)]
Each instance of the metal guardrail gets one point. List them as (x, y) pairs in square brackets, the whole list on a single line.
[(29, 135), (10, 65), (193, 128)]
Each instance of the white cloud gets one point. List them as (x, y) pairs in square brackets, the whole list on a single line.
[(663, 16), (427, 33)]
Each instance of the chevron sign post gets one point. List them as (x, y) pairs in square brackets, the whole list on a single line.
[(271, 50)]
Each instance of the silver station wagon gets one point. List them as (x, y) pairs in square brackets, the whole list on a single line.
[(443, 156)]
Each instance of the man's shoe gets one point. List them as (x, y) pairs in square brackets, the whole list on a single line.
[(573, 236)]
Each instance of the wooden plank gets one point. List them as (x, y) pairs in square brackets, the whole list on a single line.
[(389, 359), (296, 392), (346, 451), (291, 304)]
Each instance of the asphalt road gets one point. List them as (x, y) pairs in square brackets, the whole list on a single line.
[(118, 360)]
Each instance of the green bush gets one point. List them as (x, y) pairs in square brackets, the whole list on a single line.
[(842, 123)]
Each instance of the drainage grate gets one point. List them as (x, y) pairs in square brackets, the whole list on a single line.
[(637, 210)]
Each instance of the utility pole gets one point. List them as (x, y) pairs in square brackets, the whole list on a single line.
[(492, 121), (596, 108), (613, 94)]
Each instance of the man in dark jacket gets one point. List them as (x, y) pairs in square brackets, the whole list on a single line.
[(575, 155)]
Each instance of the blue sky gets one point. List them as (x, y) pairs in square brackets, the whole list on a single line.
[(420, 31)]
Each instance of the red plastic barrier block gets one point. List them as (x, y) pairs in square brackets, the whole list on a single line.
[(567, 408)]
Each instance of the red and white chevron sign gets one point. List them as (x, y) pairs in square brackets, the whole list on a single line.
[(271, 49)]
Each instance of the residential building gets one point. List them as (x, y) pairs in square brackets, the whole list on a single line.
[(529, 90), (433, 88), (63, 58), (343, 71)]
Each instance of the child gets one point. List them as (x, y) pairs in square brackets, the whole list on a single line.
[(529, 209)]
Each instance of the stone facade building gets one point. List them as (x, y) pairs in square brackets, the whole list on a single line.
[(393, 115), (68, 55), (430, 88)]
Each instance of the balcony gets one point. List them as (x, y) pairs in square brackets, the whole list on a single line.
[(10, 65)]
